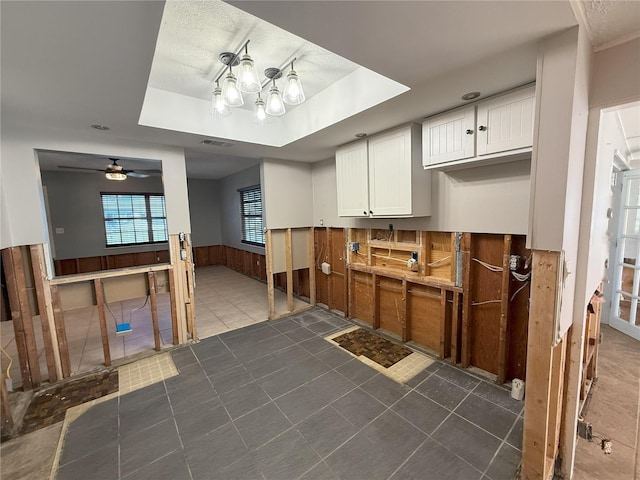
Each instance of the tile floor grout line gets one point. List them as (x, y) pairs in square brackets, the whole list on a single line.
[(502, 443)]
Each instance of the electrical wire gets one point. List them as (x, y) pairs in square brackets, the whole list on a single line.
[(8, 375), (438, 262), (521, 277), (473, 304), (488, 266), (518, 291)]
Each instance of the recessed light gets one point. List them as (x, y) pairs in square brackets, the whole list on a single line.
[(470, 96), (360, 135), (99, 127)]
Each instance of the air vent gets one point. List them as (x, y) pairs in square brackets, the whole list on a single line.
[(216, 143)]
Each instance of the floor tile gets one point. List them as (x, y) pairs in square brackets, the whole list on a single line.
[(85, 437), (432, 461), (330, 386), (358, 407), (334, 357), (356, 371), (326, 430), (457, 377), (292, 355), (316, 345), (214, 452), (280, 382), (467, 441), (499, 396), (321, 327), (244, 399), (231, 379), (169, 467), (183, 356), (102, 464), (287, 456), (140, 449), (300, 403), (138, 416), (262, 425), (191, 397), (219, 363), (320, 471), (441, 391), (300, 334), (384, 389), (485, 414), (421, 412), (515, 436), (505, 464), (192, 425), (426, 373), (264, 366)]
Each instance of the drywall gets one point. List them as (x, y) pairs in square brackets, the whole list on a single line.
[(25, 218), (204, 206), (615, 75), (75, 206), (230, 224), (287, 194), (488, 199)]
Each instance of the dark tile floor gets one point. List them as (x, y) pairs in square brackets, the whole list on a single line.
[(276, 401)]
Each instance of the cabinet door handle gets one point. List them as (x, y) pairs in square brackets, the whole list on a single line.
[(469, 131), (482, 128), (365, 212), (370, 212)]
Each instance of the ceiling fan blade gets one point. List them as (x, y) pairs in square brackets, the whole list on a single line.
[(68, 167), (149, 171), (136, 174)]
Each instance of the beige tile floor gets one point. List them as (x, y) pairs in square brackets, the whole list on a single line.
[(224, 300)]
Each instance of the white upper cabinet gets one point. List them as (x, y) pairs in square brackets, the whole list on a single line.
[(352, 167), (449, 136), (383, 176), (506, 122)]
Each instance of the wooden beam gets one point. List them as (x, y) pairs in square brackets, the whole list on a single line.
[(179, 279), (6, 418), (537, 462), (46, 312), (289, 263), (455, 328), (443, 321), (174, 312), (270, 288), (345, 285), (312, 268), (329, 236), (403, 312), (465, 247), (190, 283), (349, 298), (503, 349), (375, 321), (118, 272), (424, 248), (556, 396), (154, 309), (16, 288), (61, 332), (97, 285)]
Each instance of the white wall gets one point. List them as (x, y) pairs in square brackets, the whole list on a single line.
[(230, 224), (616, 71), (75, 205), (23, 219), (287, 194), (204, 206), (488, 199)]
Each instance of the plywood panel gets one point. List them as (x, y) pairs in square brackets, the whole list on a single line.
[(163, 256), (321, 255), (423, 311), (485, 292), (90, 264), (517, 327), (125, 288), (201, 256), (124, 260), (361, 304), (300, 248), (439, 255), (76, 295), (278, 250), (390, 302), (145, 258)]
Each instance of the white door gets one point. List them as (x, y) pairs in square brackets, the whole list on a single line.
[(352, 177), (449, 137), (506, 122), (625, 314), (390, 158)]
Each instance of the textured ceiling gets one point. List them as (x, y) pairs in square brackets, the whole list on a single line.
[(609, 21)]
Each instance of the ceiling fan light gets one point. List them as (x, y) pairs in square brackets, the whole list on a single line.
[(231, 96), (275, 105), (259, 112), (119, 176), (293, 93), (249, 80), (218, 107)]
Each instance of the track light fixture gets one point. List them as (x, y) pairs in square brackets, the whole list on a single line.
[(248, 82)]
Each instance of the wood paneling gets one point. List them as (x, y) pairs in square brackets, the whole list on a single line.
[(390, 305), (517, 326), (424, 317), (362, 304), (73, 266)]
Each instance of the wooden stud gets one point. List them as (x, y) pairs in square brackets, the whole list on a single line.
[(504, 311), (312, 268), (375, 321), (180, 289), (174, 312), (453, 257), (403, 312), (154, 309), (330, 299), (61, 333), (465, 247), (349, 298), (270, 288), (455, 329), (18, 302), (536, 461), (556, 397), (5, 418), (188, 265), (289, 263), (345, 275), (46, 313), (97, 285), (443, 322)]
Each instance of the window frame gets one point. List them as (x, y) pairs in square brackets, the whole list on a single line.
[(243, 231), (148, 217)]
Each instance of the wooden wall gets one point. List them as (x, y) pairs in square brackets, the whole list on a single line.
[(72, 266)]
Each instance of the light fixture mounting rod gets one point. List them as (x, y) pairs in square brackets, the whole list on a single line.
[(274, 73), (230, 59)]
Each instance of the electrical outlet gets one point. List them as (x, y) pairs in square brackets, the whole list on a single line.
[(354, 247), (391, 227), (585, 430)]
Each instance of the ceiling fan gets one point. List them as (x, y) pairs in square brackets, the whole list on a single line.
[(116, 172)]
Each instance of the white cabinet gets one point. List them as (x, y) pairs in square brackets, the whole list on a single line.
[(492, 130), (506, 122), (449, 136), (383, 176)]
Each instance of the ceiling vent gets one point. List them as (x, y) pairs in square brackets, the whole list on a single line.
[(217, 143)]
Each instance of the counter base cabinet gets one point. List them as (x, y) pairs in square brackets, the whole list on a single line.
[(383, 176)]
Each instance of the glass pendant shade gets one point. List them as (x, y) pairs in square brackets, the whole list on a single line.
[(293, 93), (249, 80), (275, 105), (230, 93), (218, 107), (119, 176), (259, 112)]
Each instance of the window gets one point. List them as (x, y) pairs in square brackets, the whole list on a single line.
[(134, 219), (251, 211)]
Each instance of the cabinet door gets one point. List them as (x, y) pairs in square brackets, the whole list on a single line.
[(506, 122), (353, 180), (448, 137), (390, 158)]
